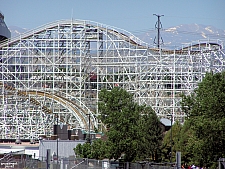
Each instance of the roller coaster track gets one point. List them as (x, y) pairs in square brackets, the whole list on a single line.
[(77, 22), (67, 103), (64, 53), (181, 51), (24, 94), (202, 47), (62, 100)]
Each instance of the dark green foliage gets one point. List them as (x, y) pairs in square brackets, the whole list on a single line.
[(166, 146), (150, 136), (187, 141), (121, 115), (96, 150), (83, 151), (99, 150), (206, 115), (134, 130)]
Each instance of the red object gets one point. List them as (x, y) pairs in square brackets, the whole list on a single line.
[(93, 76)]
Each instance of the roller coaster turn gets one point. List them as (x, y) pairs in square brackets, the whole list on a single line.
[(57, 71)]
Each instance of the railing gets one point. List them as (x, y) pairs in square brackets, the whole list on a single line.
[(80, 163)]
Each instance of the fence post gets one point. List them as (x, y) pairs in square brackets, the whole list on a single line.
[(48, 158), (178, 160)]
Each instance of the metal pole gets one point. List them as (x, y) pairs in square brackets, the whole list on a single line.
[(159, 26), (89, 129), (171, 140), (171, 136), (57, 142), (158, 31), (89, 126), (48, 158)]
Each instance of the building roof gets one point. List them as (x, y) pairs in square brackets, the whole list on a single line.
[(165, 122)]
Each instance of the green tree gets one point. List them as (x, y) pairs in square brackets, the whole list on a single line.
[(99, 149), (206, 112), (83, 150), (96, 150), (167, 142), (134, 130), (150, 135), (121, 115), (187, 140)]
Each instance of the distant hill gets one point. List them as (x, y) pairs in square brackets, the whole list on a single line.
[(16, 31), (173, 37)]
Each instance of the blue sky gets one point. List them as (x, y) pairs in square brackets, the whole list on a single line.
[(131, 15)]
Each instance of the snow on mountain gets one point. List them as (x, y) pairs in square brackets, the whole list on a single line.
[(16, 31), (182, 35), (173, 37)]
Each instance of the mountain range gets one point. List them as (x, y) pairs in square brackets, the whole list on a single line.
[(184, 35), (16, 31), (172, 37)]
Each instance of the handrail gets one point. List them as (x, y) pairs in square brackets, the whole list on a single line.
[(77, 164)]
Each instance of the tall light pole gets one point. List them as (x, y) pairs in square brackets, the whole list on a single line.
[(171, 136), (89, 128), (57, 132), (57, 142)]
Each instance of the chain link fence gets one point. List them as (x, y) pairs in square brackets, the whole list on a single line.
[(77, 163)]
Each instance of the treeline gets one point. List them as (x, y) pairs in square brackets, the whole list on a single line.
[(134, 132)]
